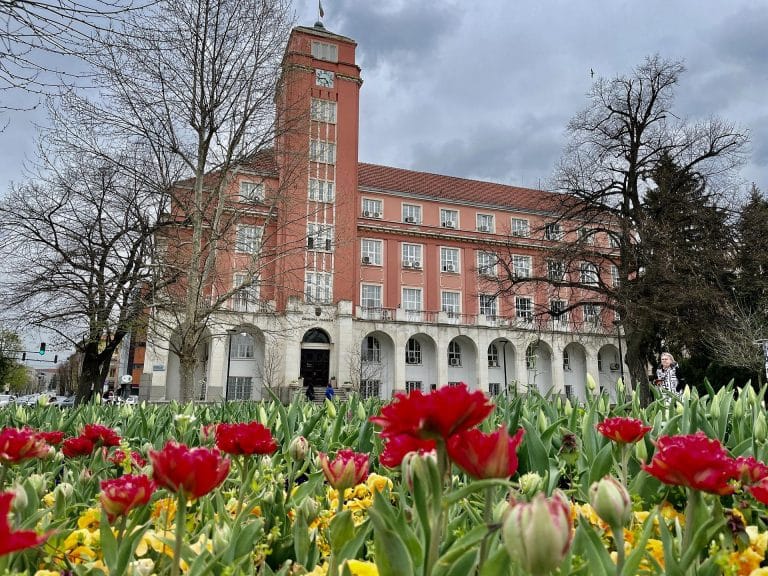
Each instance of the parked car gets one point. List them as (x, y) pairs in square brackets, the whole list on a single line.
[(6, 399), (62, 401)]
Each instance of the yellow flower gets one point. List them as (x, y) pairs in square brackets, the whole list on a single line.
[(759, 572), (155, 541), (656, 548), (757, 540), (89, 519), (49, 499), (81, 537), (360, 568), (164, 512), (745, 561), (377, 483), (47, 573), (82, 554), (670, 514), (319, 570)]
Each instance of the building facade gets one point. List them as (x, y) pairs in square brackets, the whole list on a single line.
[(384, 279)]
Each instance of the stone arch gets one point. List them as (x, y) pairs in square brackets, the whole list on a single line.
[(609, 369), (538, 364), (245, 369), (575, 371), (375, 370), (462, 361), (421, 362), (502, 371)]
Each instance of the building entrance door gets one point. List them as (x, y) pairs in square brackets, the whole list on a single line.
[(314, 369)]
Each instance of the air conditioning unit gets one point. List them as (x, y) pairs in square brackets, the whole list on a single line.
[(483, 229), (376, 214), (366, 259), (366, 214), (416, 264), (407, 264), (409, 220), (449, 268), (493, 364), (411, 359), (449, 224), (614, 367), (454, 362)]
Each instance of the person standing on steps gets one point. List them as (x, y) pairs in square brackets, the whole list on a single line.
[(310, 392), (330, 392)]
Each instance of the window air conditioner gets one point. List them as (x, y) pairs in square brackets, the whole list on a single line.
[(366, 260), (416, 264), (449, 224), (366, 214), (454, 361), (407, 264), (614, 367), (449, 268), (483, 228), (410, 220), (493, 364), (376, 214)]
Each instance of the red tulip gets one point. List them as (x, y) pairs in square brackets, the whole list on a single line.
[(11, 541), (694, 461), (251, 438), (194, 471), (440, 414), (101, 435), (17, 444), (121, 495), (483, 455), (348, 469), (760, 490), (77, 446), (120, 456), (751, 470), (396, 447), (623, 430), (53, 438)]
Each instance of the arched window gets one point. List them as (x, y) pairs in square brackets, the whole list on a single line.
[(530, 357), (371, 349), (493, 356), (413, 352), (454, 354), (316, 336)]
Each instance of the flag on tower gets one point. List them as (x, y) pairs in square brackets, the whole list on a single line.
[(320, 8)]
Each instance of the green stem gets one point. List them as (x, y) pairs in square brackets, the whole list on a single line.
[(340, 500), (692, 521), (3, 470), (121, 529), (243, 483), (618, 538), (490, 493), (437, 515), (623, 471), (181, 519)]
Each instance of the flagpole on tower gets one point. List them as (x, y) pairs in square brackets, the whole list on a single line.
[(320, 11)]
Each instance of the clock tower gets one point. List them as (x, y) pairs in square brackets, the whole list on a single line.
[(317, 121)]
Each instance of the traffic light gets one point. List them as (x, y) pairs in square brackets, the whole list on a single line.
[(42, 348)]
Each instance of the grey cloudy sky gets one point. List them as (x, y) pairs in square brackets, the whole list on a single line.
[(485, 89)]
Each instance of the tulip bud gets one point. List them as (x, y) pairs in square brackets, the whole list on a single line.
[(687, 392), (538, 534), (330, 408), (37, 481), (738, 408), (65, 489), (222, 536), (418, 464), (591, 385), (641, 451), (298, 449), (568, 408), (362, 415), (85, 475), (543, 423), (620, 386), (141, 567), (20, 500), (761, 427), (310, 509), (531, 484), (611, 501), (714, 409)]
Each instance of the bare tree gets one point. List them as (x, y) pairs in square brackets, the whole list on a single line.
[(616, 145), (195, 82), (75, 242)]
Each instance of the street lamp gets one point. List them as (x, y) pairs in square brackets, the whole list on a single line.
[(617, 323), (504, 356)]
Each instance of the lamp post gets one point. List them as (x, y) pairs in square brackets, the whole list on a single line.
[(230, 332), (504, 356), (617, 323)]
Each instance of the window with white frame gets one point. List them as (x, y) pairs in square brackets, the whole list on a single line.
[(413, 385), (553, 232), (531, 354), (454, 353), (412, 351), (370, 388), (370, 296), (325, 51), (449, 259), (320, 190), (450, 302), (521, 266), (412, 256), (322, 151), (615, 277), (555, 271), (488, 306), (319, 237), (521, 228), (493, 356), (245, 299), (412, 299), (449, 218), (318, 287), (241, 346), (588, 273), (485, 223), (613, 240), (566, 360), (494, 388), (557, 310), (324, 110), (248, 239), (524, 308), (486, 263), (372, 208), (591, 313), (251, 191), (411, 213), (587, 235), (371, 350), (371, 251), (239, 387)]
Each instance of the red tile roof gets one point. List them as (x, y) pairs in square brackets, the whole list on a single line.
[(401, 181)]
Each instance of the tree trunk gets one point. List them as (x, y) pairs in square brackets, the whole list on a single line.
[(635, 360), (188, 367), (90, 382)]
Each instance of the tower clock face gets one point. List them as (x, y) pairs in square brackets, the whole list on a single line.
[(324, 78)]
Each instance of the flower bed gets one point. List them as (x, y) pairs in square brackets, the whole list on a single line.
[(440, 484)]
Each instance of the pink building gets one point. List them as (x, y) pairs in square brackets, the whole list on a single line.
[(385, 277)]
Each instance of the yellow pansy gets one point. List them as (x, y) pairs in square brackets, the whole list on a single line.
[(90, 519), (757, 540), (164, 512), (82, 554), (81, 537), (156, 541), (377, 483), (360, 568), (745, 562)]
